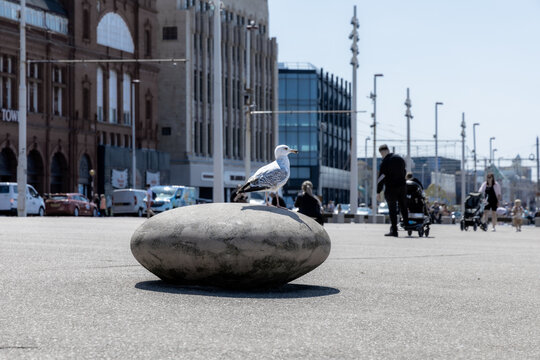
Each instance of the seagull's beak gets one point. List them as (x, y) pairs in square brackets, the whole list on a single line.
[(293, 151)]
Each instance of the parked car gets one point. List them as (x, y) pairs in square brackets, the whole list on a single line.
[(9, 195), (456, 216), (383, 208), (345, 208), (129, 202), (363, 210), (167, 197), (70, 204)]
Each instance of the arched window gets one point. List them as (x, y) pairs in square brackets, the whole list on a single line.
[(99, 89), (113, 32)]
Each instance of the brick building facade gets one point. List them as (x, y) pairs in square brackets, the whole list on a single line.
[(79, 116)]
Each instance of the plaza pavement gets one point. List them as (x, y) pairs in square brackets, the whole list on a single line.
[(70, 289)]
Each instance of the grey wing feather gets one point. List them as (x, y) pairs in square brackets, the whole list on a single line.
[(273, 178)]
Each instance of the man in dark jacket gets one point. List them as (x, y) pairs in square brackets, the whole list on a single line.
[(392, 178)]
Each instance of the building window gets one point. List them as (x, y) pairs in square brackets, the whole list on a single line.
[(148, 109), (8, 82), (170, 33), (86, 24), (99, 89), (113, 97), (58, 79), (147, 43), (126, 99), (34, 88), (166, 131), (113, 32), (86, 103)]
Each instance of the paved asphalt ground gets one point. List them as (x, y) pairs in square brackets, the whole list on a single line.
[(70, 289)]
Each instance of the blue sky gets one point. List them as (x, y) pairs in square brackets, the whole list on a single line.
[(481, 57)]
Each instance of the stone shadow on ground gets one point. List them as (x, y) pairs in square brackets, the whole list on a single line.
[(288, 291)]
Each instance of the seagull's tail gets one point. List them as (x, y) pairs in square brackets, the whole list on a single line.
[(248, 187)]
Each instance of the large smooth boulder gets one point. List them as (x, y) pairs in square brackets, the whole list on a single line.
[(230, 245)]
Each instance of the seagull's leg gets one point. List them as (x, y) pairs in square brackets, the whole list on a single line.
[(277, 197), (266, 198)]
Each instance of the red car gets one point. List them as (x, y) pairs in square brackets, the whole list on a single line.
[(70, 204)]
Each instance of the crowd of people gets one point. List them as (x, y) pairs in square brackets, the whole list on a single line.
[(392, 179)]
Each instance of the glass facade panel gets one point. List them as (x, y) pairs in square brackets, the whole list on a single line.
[(311, 90)]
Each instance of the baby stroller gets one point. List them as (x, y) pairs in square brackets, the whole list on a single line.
[(419, 219), (474, 211)]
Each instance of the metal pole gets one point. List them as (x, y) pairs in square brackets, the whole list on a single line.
[(133, 149), (354, 151), (218, 195), (365, 177), (247, 144), (491, 149), (474, 142), (374, 161), (21, 165), (537, 172), (463, 163), (437, 151), (409, 116)]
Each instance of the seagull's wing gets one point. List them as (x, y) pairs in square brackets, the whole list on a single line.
[(267, 177)]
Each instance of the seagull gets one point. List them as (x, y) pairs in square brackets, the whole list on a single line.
[(270, 177)]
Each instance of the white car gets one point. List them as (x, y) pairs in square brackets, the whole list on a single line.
[(383, 208), (129, 202), (167, 197), (9, 195), (364, 210)]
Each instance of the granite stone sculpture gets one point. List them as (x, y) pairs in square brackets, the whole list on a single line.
[(230, 245)]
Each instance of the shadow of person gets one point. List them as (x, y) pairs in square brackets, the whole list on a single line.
[(287, 291)]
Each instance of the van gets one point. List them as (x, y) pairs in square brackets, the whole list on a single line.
[(168, 197), (8, 199), (129, 202)]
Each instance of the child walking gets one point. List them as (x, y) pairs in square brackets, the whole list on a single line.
[(517, 213)]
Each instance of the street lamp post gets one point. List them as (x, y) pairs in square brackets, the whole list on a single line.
[(474, 142), (409, 116), (374, 161), (490, 149), (21, 164), (365, 172), (354, 155), (92, 173), (247, 144), (437, 150), (133, 149), (423, 178), (463, 163), (493, 157)]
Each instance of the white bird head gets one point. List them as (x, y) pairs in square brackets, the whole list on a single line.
[(284, 150)]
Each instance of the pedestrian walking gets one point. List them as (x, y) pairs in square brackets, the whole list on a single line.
[(149, 199), (308, 204), (492, 193), (102, 206), (517, 214), (392, 179)]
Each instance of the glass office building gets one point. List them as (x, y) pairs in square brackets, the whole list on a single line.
[(322, 139)]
